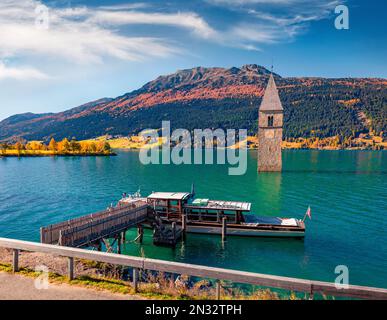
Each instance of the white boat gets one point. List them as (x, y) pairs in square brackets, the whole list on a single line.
[(206, 216)]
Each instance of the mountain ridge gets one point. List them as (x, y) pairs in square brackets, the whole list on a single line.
[(213, 97)]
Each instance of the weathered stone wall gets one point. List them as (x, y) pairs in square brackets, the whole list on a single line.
[(269, 139), (263, 119)]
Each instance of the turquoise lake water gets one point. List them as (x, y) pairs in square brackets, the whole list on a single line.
[(347, 191)]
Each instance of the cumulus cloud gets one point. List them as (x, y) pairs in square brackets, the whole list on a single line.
[(89, 35), (70, 34)]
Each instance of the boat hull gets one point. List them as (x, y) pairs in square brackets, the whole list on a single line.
[(246, 232)]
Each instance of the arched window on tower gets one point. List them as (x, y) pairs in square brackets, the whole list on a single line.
[(270, 121)]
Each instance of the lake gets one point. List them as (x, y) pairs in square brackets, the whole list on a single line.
[(345, 189)]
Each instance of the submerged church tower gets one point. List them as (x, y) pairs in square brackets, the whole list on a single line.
[(270, 124)]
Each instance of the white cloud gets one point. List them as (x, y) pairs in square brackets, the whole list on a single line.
[(87, 35), (273, 21), (21, 73), (68, 36), (266, 2), (190, 21)]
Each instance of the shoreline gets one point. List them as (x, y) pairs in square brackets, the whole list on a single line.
[(57, 155)]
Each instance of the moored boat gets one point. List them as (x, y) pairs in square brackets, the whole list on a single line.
[(209, 216)]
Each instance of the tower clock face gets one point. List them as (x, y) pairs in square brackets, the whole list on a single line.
[(269, 134)]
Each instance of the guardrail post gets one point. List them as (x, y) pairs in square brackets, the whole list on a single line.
[(311, 293), (135, 276), (15, 260), (218, 290), (70, 268)]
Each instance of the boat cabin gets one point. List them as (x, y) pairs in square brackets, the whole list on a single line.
[(171, 205), (215, 210), (168, 205)]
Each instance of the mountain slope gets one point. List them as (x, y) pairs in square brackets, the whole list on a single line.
[(218, 98)]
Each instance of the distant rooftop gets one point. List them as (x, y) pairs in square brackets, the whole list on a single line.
[(169, 195)]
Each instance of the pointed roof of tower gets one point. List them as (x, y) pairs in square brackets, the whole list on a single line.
[(271, 100)]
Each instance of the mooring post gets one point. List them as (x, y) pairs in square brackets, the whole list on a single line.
[(224, 228), (15, 260), (184, 224), (70, 268), (174, 231), (140, 233), (218, 290), (119, 244), (135, 276), (123, 236)]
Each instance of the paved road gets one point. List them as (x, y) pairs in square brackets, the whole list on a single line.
[(16, 287)]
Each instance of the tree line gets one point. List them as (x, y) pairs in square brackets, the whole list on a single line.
[(63, 147)]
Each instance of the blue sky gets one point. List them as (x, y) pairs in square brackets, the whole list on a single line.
[(84, 50)]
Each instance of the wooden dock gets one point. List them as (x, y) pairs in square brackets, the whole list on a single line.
[(91, 229)]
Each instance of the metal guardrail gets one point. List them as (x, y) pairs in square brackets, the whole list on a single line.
[(294, 284)]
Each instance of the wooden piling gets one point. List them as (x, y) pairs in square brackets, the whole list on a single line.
[(224, 228), (119, 244), (99, 245), (70, 268), (124, 236), (135, 276), (15, 260), (140, 233), (174, 231), (184, 225)]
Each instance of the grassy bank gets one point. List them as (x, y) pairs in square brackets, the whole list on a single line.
[(101, 276), (368, 142)]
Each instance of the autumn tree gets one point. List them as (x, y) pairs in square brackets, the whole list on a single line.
[(19, 147), (106, 147), (35, 146), (53, 146), (64, 146), (93, 147), (4, 147), (75, 146)]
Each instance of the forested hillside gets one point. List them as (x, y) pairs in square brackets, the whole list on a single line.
[(218, 98)]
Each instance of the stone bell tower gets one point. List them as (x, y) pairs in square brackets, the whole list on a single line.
[(270, 130)]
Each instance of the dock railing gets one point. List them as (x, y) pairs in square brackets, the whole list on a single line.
[(138, 263), (80, 231)]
